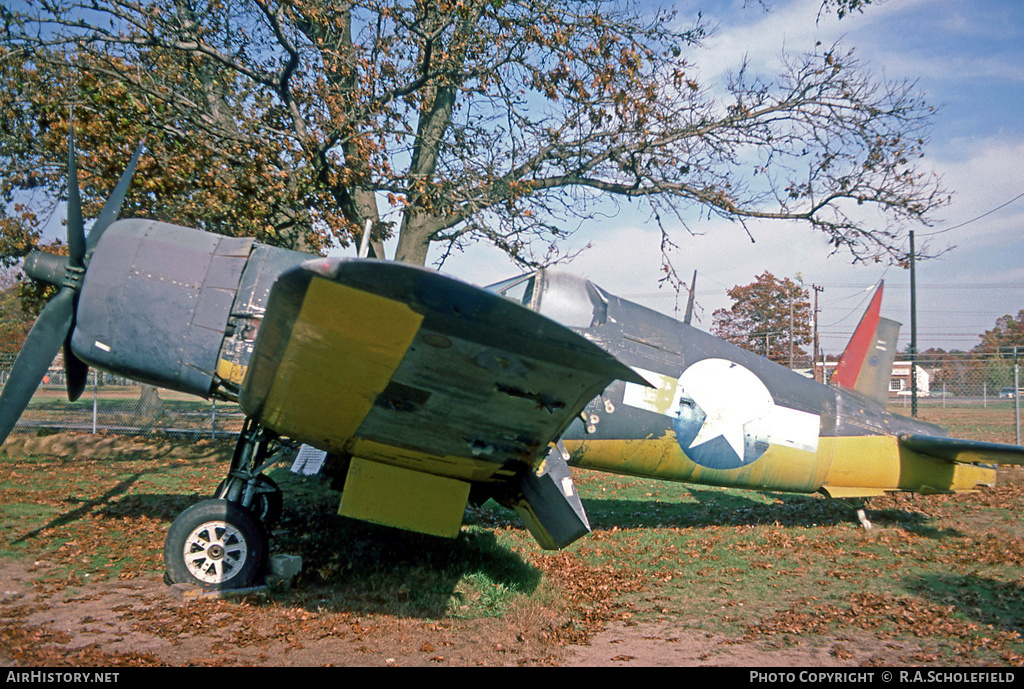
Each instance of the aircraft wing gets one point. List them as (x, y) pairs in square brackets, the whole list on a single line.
[(402, 366), (964, 451)]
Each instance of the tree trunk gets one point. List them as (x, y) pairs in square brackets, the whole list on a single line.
[(151, 407), (414, 239)]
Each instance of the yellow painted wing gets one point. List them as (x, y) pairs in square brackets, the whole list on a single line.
[(400, 364)]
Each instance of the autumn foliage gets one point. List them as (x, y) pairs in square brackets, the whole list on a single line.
[(444, 122), (770, 316), (1005, 336)]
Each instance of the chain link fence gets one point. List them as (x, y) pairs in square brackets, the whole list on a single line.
[(972, 394), (979, 375), (112, 405), (975, 395)]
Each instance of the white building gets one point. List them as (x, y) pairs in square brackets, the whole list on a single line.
[(899, 382)]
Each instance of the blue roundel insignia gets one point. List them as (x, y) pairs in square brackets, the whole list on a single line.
[(725, 413)]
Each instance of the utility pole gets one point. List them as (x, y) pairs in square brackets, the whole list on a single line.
[(791, 330), (814, 353), (1016, 391), (689, 300), (913, 332)]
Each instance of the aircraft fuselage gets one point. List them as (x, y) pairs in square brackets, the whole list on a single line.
[(721, 415)]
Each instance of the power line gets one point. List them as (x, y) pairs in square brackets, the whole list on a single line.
[(968, 222), (931, 285)]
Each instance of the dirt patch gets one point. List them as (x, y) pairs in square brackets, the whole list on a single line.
[(140, 623), (84, 445), (670, 644)]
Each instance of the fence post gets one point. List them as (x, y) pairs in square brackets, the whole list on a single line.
[(95, 396), (1016, 391)]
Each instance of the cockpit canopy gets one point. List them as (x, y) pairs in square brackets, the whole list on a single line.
[(563, 297)]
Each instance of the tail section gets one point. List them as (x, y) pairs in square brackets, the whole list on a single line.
[(866, 364)]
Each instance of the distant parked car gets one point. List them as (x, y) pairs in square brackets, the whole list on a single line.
[(1008, 392)]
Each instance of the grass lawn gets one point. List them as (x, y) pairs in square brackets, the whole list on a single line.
[(940, 573)]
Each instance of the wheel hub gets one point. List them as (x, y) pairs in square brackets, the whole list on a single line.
[(215, 552)]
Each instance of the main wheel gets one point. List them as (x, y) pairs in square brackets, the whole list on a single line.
[(215, 544)]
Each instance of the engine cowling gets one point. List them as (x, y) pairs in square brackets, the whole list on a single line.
[(156, 301)]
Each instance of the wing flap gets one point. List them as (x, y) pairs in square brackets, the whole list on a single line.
[(964, 451), (852, 492)]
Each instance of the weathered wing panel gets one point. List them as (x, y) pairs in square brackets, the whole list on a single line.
[(397, 363)]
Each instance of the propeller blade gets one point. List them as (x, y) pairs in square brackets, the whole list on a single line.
[(41, 346), (113, 205), (76, 373), (76, 228)]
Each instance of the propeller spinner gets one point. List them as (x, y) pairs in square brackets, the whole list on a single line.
[(53, 329)]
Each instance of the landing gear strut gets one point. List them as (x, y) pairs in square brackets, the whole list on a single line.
[(221, 543), (256, 450)]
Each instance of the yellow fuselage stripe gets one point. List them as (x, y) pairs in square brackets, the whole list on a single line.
[(852, 466)]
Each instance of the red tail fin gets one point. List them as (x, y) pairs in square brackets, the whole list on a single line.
[(866, 364)]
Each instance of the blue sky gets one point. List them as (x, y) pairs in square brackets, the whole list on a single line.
[(968, 59)]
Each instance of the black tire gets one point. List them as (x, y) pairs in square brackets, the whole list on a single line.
[(267, 505), (215, 544)]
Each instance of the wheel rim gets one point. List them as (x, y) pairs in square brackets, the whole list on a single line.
[(215, 552)]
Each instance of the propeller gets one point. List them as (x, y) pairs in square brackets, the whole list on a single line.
[(53, 329)]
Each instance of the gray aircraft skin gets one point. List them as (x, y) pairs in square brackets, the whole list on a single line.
[(427, 392)]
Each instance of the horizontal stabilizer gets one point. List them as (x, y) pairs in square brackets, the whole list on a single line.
[(964, 451)]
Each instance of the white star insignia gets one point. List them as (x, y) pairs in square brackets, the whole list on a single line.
[(729, 395)]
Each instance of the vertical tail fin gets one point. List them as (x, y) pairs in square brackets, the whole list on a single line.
[(866, 364)]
